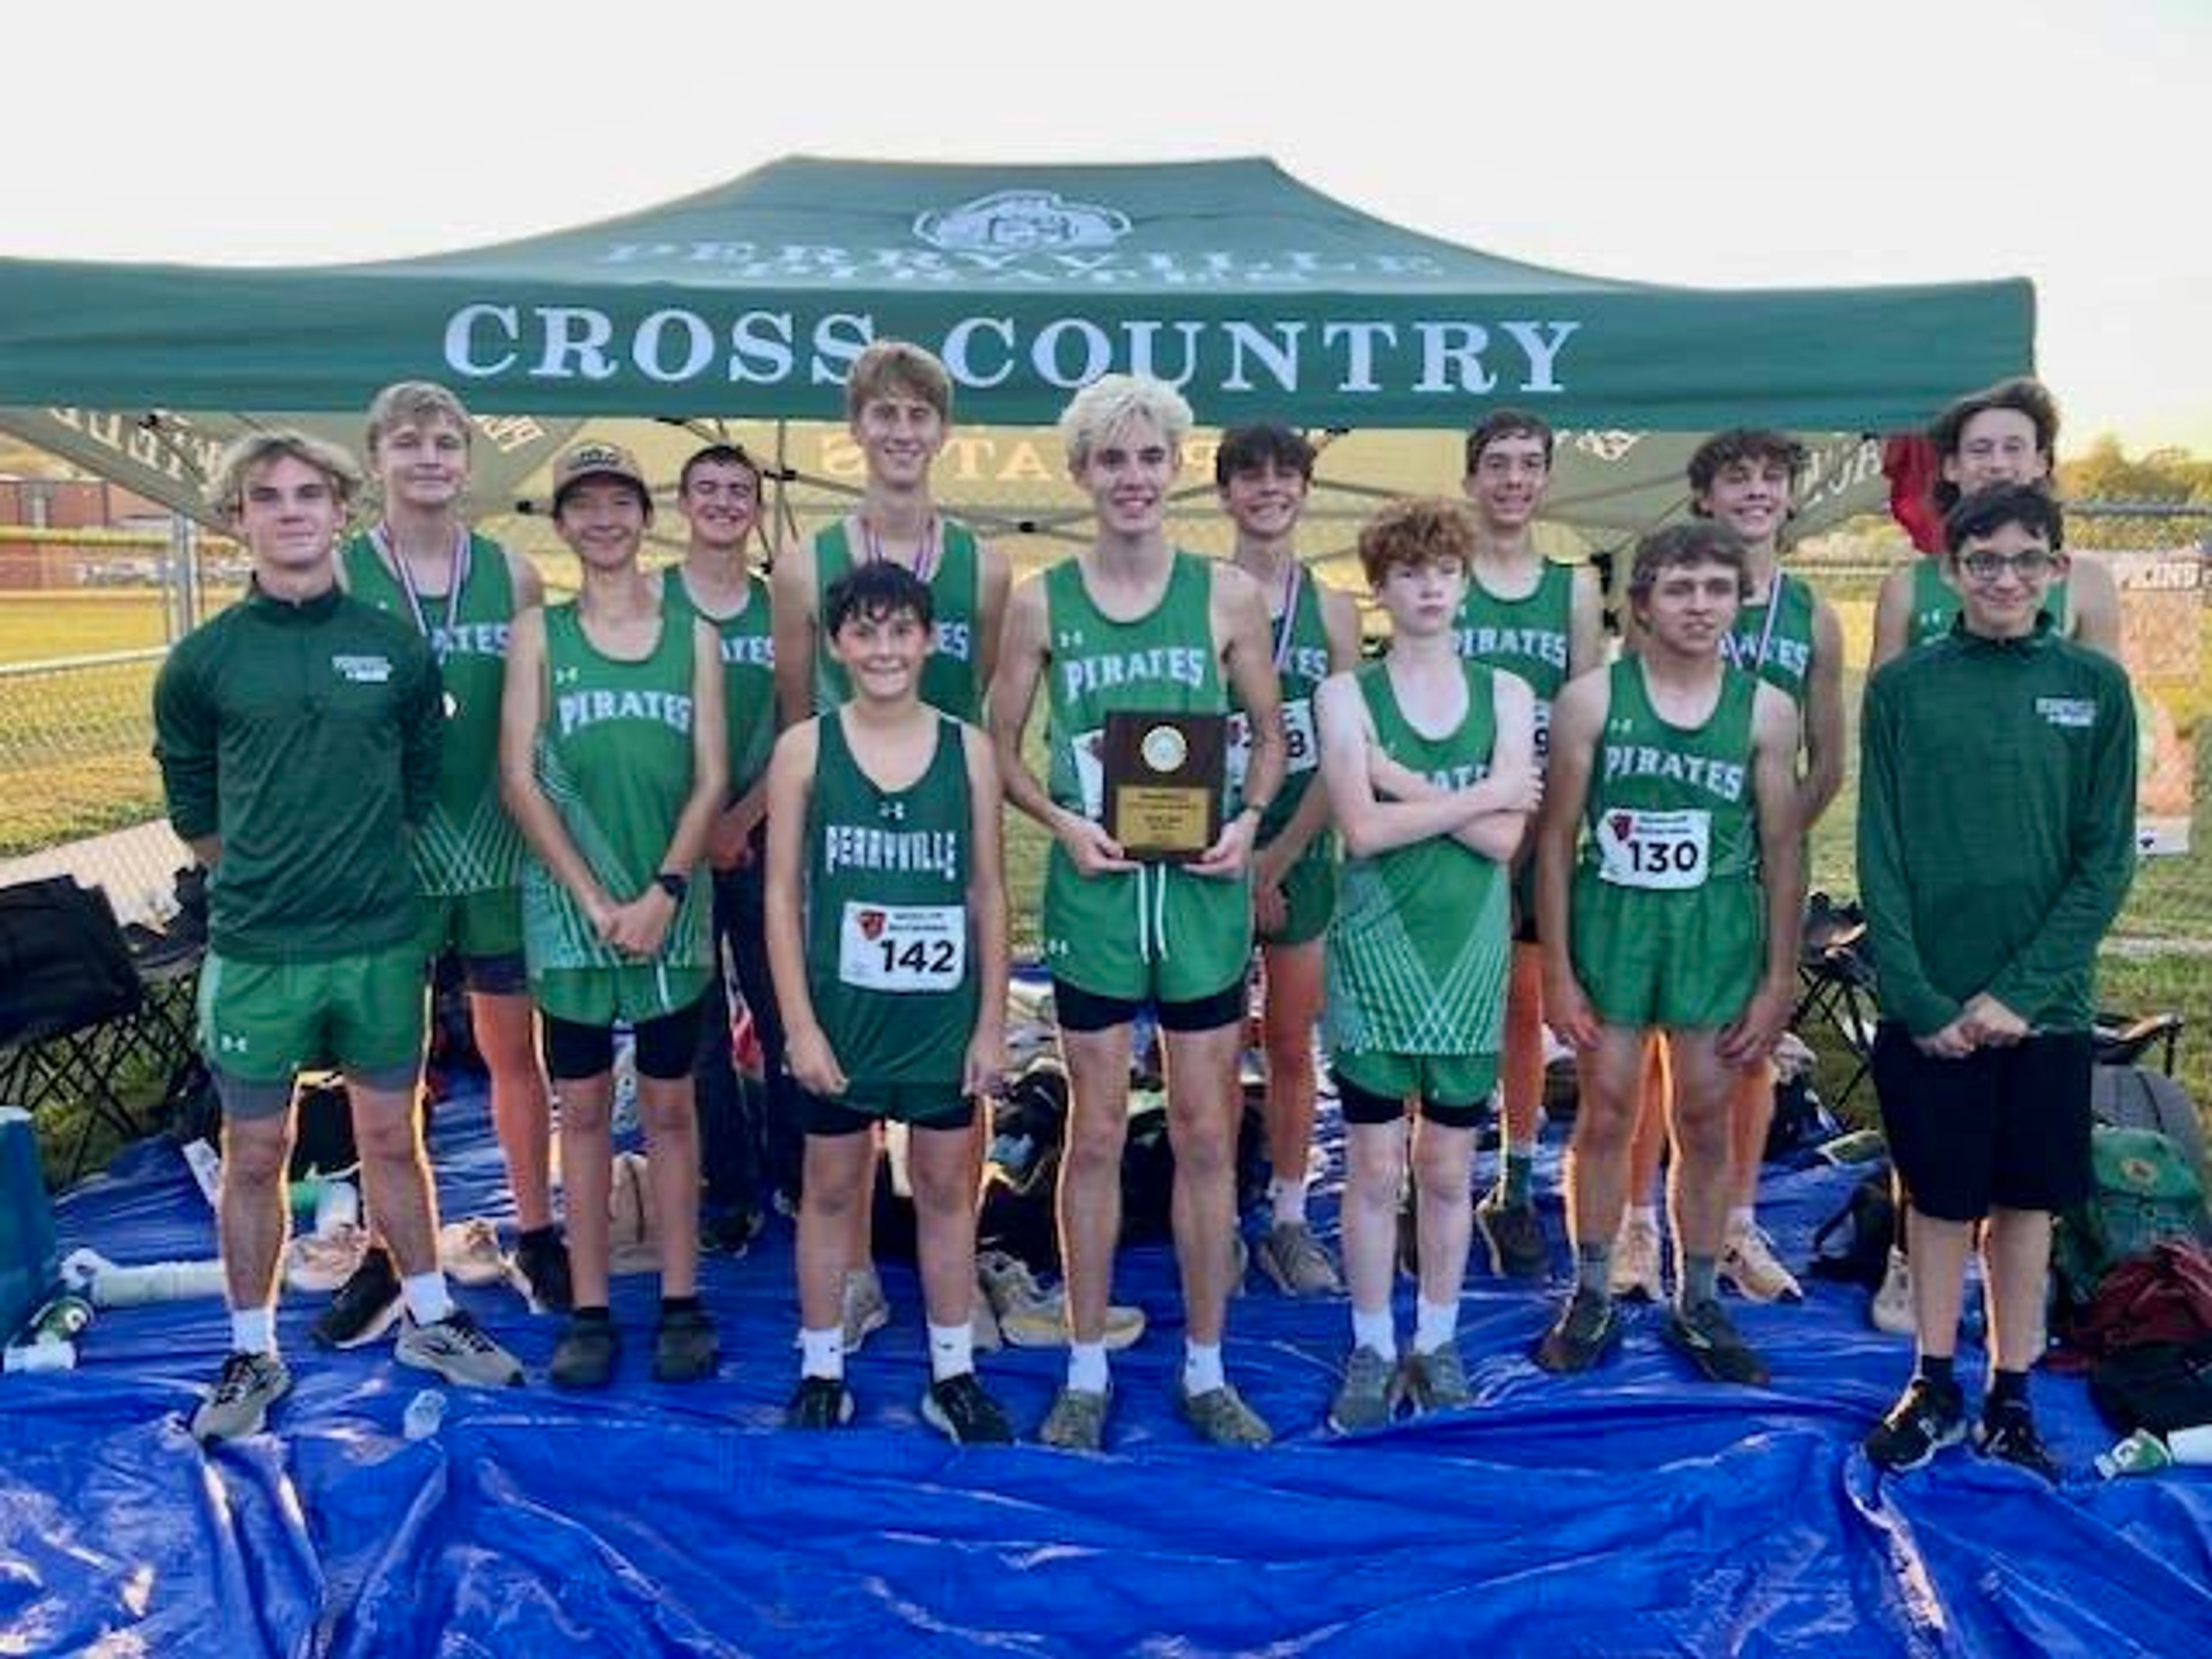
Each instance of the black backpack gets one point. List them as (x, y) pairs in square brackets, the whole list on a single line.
[(1867, 1222)]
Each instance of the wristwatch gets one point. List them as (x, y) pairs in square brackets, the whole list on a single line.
[(673, 883)]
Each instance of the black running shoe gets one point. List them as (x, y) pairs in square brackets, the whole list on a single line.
[(731, 1233), (2009, 1433), (541, 1271), (365, 1307), (819, 1402), (684, 1349), (1585, 1331), (584, 1356), (1706, 1332), (962, 1411), (1926, 1417)]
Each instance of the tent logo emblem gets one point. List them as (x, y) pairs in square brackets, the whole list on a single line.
[(1018, 221)]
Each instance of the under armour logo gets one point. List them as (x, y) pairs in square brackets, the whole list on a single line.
[(1067, 639), (230, 1042), (894, 809), (566, 675)]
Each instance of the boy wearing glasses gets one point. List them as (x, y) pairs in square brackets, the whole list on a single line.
[(1995, 833)]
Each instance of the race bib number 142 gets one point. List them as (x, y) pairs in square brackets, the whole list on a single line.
[(902, 947)]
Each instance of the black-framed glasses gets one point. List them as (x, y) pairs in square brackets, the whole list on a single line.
[(2033, 565)]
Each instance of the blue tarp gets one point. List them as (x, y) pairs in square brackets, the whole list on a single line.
[(1634, 1511)]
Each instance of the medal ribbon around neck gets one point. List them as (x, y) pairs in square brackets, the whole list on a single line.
[(1729, 647), (925, 554), (381, 536), (1286, 623)]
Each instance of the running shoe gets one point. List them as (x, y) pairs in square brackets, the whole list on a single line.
[(1747, 1261), (1221, 1417), (1368, 1396), (1289, 1254), (1636, 1270), (540, 1271), (1437, 1381), (238, 1405), (1927, 1417), (1030, 1316), (1585, 1331), (866, 1308), (365, 1307), (318, 1264), (1706, 1332), (819, 1402), (2009, 1433), (1513, 1237), (1076, 1421), (469, 1253), (961, 1410), (457, 1348), (684, 1347), (584, 1356)]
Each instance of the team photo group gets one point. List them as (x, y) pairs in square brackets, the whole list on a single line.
[(776, 775)]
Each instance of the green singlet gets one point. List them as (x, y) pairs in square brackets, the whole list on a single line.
[(614, 757), (1528, 637), (1935, 603), (467, 843), (1157, 933), (1300, 640), (1773, 639), (748, 649), (891, 947), (1668, 920), (1418, 953), (950, 675)]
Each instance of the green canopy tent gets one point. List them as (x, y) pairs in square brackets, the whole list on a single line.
[(1262, 297)]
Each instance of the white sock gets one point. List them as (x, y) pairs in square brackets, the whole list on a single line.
[(428, 1299), (821, 1353), (1375, 1331), (951, 1350), (1644, 1215), (1086, 1367), (1434, 1327), (253, 1330), (1201, 1367), (1289, 1197), (1740, 1220)]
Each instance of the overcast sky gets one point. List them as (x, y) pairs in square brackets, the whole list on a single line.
[(1698, 142)]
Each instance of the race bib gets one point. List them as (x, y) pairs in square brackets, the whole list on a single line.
[(902, 947), (1301, 747), (1662, 850)]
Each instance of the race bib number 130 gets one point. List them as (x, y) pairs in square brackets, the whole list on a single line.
[(902, 947), (1661, 850)]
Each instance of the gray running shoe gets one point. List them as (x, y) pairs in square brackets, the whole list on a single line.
[(1586, 1329), (248, 1385), (1706, 1332), (1076, 1421), (1513, 1237), (1030, 1317), (457, 1349), (1436, 1382), (1368, 1396), (1290, 1254), (1222, 1418), (866, 1308), (961, 1410)]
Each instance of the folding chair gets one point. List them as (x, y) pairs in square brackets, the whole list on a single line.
[(1836, 973), (76, 1006)]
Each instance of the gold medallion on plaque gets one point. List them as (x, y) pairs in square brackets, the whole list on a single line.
[(1163, 783)]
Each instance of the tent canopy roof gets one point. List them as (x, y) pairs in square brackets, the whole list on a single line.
[(1262, 297)]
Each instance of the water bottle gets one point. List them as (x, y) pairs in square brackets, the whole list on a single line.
[(425, 1412), (2141, 1453), (207, 1169), (61, 1319)]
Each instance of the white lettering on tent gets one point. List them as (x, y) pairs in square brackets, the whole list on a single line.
[(760, 348), (574, 343), (839, 340), (1044, 352), (1142, 361), (645, 346), (460, 328), (1543, 354), (961, 367), (1359, 356), (1438, 350), (1280, 360)]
